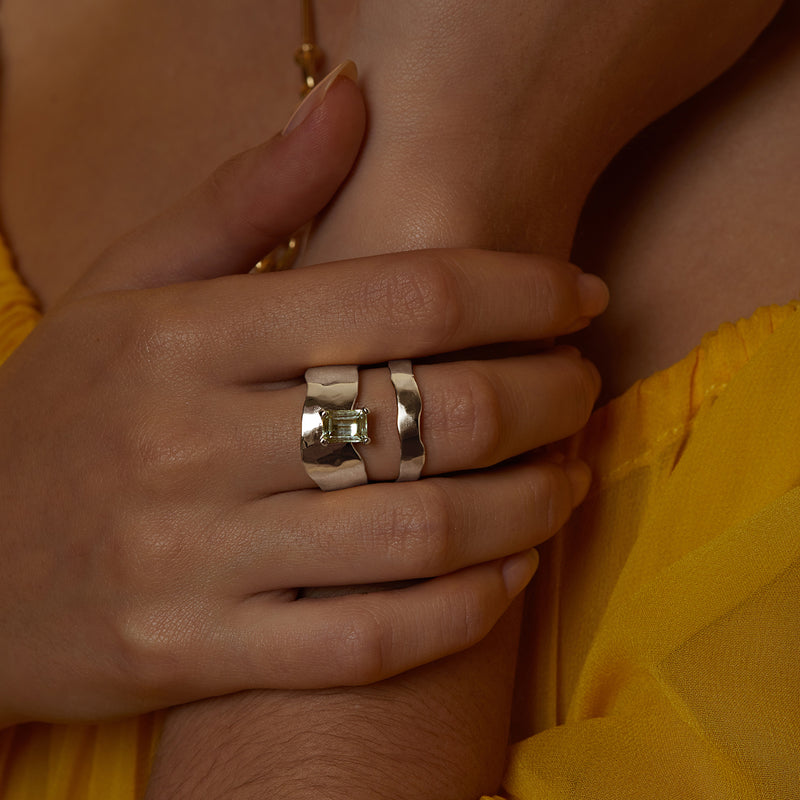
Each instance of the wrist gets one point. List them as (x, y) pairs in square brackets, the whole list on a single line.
[(486, 169), (489, 123)]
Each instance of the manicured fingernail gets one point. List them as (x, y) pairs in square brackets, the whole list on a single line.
[(580, 479), (518, 571), (314, 99), (598, 378), (592, 294)]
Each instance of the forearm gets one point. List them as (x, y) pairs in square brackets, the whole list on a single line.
[(437, 732)]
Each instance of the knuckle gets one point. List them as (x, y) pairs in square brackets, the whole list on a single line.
[(423, 535), (554, 295), (168, 334), (154, 553), (473, 419), (361, 648), (581, 391), (423, 298), (549, 498), (217, 187), (471, 618), (151, 649), (145, 555), (169, 452)]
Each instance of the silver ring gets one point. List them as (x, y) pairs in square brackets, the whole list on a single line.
[(332, 426), (409, 412)]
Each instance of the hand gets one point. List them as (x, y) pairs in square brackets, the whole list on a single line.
[(155, 514)]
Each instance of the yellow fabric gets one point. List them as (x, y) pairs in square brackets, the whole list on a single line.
[(18, 308), (77, 762), (665, 637), (666, 630)]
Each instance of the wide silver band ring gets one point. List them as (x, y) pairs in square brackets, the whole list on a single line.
[(409, 412), (331, 428)]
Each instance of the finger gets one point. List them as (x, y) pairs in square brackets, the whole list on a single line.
[(475, 414), (383, 532), (249, 205), (362, 639), (369, 310)]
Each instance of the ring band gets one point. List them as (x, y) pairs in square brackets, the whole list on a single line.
[(409, 412), (331, 426)]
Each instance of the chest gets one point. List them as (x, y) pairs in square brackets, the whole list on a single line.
[(114, 109)]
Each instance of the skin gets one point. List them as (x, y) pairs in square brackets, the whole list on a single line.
[(181, 587), (709, 157), (655, 272)]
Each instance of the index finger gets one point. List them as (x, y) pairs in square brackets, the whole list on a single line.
[(405, 305)]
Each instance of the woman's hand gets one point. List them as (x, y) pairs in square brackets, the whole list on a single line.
[(156, 515)]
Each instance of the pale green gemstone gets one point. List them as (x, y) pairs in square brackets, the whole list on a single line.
[(345, 426)]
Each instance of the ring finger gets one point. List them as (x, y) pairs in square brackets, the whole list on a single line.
[(475, 414)]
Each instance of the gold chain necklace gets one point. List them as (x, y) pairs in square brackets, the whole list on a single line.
[(309, 57)]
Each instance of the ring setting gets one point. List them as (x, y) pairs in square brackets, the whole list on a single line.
[(333, 425), (343, 426)]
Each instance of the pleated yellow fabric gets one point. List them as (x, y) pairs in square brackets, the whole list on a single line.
[(664, 650), (78, 762), (19, 310)]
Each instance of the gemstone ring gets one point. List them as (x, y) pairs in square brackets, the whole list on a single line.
[(332, 426)]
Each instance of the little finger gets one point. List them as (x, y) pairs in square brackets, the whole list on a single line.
[(384, 532), (361, 639)]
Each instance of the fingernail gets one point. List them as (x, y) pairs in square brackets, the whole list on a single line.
[(568, 350), (555, 455), (314, 99), (579, 324), (518, 571), (598, 378), (592, 294), (580, 479)]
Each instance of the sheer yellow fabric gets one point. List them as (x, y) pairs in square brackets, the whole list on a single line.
[(663, 649)]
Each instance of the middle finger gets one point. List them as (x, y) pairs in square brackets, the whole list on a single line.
[(363, 311)]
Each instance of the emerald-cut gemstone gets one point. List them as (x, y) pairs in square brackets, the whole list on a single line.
[(345, 426)]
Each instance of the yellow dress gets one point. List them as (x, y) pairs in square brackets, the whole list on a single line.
[(664, 650)]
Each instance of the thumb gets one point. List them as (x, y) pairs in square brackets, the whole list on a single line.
[(250, 204)]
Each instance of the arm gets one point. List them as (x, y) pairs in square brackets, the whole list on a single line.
[(436, 151), (153, 484)]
